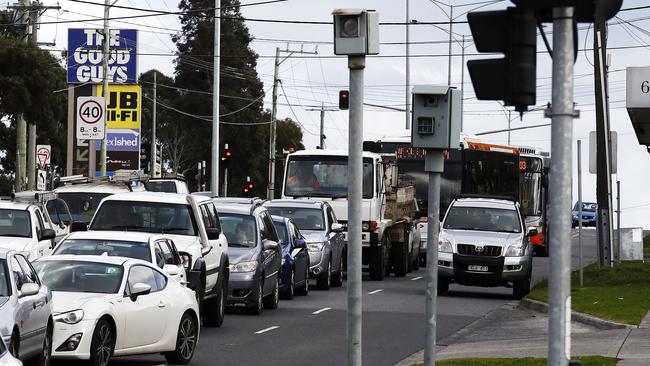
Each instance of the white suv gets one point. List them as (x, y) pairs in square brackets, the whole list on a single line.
[(192, 223), (483, 242)]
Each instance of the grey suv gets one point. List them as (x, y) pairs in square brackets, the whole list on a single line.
[(483, 242)]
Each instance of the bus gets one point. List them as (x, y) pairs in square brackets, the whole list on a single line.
[(534, 165)]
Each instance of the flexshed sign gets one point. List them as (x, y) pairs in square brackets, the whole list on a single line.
[(85, 47)]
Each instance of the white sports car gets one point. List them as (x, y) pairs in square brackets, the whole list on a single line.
[(114, 306)]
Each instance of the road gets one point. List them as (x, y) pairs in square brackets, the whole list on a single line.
[(311, 330)]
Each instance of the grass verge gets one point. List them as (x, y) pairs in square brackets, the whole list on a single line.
[(620, 294), (586, 361), (646, 247)]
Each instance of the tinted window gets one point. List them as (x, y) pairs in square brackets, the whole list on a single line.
[(114, 248), (151, 217), (76, 276), (161, 186), (239, 229), (15, 223), (5, 287), (57, 210), (166, 253), (586, 207), (18, 274), (82, 205), (304, 218), (271, 233), (142, 274), (281, 228), (30, 274), (483, 219)]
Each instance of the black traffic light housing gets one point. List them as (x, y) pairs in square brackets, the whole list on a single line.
[(344, 99), (512, 78), (248, 189), (227, 155), (585, 11)]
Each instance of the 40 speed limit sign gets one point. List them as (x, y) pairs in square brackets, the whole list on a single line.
[(91, 118)]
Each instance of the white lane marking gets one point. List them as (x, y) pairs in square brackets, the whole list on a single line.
[(267, 329), (416, 278), (321, 311), (375, 292)]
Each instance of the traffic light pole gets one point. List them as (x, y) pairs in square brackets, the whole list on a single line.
[(153, 127), (559, 337), (270, 194), (356, 64), (214, 153)]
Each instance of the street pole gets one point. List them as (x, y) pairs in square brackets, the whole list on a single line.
[(407, 92), (451, 25), (356, 64), (270, 194), (434, 163), (105, 49), (559, 338), (462, 85), (322, 126), (618, 221), (21, 123), (225, 182), (153, 126), (214, 156), (31, 158), (509, 121), (580, 213)]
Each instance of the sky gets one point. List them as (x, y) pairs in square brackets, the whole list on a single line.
[(309, 80)]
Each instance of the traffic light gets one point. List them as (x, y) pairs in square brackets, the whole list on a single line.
[(226, 155), (249, 189), (512, 78), (344, 99)]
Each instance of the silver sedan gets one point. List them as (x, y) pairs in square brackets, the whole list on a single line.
[(25, 310)]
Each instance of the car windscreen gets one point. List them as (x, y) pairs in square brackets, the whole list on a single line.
[(324, 176), (15, 223), (161, 186), (281, 228), (586, 207), (4, 279), (304, 218), (82, 206), (113, 248), (80, 276), (150, 217), (482, 219), (240, 230)]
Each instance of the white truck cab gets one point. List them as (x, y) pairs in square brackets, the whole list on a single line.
[(24, 228)]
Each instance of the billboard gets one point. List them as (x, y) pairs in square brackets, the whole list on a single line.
[(85, 56)]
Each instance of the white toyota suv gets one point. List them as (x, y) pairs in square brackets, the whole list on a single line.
[(483, 242), (192, 223)]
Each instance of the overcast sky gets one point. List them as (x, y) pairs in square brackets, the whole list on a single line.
[(310, 80)]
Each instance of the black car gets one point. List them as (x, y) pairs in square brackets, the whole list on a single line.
[(255, 256)]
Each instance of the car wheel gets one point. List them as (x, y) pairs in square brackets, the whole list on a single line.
[(102, 343), (271, 301), (443, 286), (416, 262), (185, 341), (521, 288), (377, 263), (215, 308), (256, 309), (45, 358), (304, 289), (401, 257), (14, 344), (337, 278), (324, 281), (287, 293)]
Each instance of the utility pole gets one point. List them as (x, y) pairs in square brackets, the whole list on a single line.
[(407, 91), (462, 85), (509, 122), (214, 157), (105, 50), (618, 222), (322, 110), (451, 25), (559, 337), (153, 127), (22, 17), (603, 143)]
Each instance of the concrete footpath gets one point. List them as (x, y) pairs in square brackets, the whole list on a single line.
[(515, 331)]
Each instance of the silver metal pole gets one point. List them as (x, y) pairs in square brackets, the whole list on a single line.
[(214, 158), (105, 50), (322, 126), (509, 122), (451, 27), (618, 221), (225, 182), (559, 338), (433, 164), (462, 85), (153, 172), (270, 192), (580, 213), (407, 92), (356, 64), (31, 157)]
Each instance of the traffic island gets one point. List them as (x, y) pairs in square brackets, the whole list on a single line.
[(527, 361)]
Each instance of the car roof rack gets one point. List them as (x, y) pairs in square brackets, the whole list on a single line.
[(122, 176), (488, 196), (34, 196)]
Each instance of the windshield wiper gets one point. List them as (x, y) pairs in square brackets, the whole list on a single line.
[(168, 229), (238, 245), (127, 227)]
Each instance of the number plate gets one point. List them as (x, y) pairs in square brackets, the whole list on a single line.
[(477, 268)]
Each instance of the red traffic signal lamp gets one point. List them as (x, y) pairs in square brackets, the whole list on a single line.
[(249, 189), (227, 154), (344, 99)]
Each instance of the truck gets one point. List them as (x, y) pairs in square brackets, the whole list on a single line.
[(388, 205)]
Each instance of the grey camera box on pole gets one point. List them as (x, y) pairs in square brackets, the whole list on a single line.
[(436, 117), (356, 32)]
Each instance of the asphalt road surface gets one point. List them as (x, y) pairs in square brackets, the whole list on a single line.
[(311, 330)]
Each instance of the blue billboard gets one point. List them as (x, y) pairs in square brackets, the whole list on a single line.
[(85, 56)]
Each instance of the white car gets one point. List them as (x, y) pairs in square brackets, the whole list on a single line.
[(113, 306), (6, 359), (154, 248), (24, 228)]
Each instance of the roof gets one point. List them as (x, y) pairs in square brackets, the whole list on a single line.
[(174, 198), (485, 202), (113, 235), (234, 208), (99, 187), (294, 203), (86, 258), (280, 219), (319, 152), (14, 205), (4, 252)]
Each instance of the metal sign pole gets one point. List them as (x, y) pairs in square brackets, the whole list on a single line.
[(559, 337), (580, 213)]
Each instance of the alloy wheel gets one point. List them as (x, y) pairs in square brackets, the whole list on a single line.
[(104, 348), (187, 338)]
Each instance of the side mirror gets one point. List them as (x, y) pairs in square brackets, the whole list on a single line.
[(29, 289), (78, 226), (139, 289), (213, 233), (269, 245), (337, 228), (532, 231), (300, 243), (171, 269), (47, 234)]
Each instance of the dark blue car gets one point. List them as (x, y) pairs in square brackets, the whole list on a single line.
[(294, 273), (588, 214)]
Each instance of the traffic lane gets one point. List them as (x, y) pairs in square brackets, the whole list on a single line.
[(589, 254)]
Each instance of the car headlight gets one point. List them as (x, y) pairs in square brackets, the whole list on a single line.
[(315, 247), (243, 267), (444, 246), (71, 317), (516, 250), (186, 260), (575, 216)]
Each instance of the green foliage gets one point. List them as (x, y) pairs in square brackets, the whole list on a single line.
[(646, 247), (526, 361)]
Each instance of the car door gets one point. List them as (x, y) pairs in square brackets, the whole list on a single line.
[(44, 246), (271, 257), (212, 256), (299, 254), (26, 314), (336, 239), (144, 318)]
